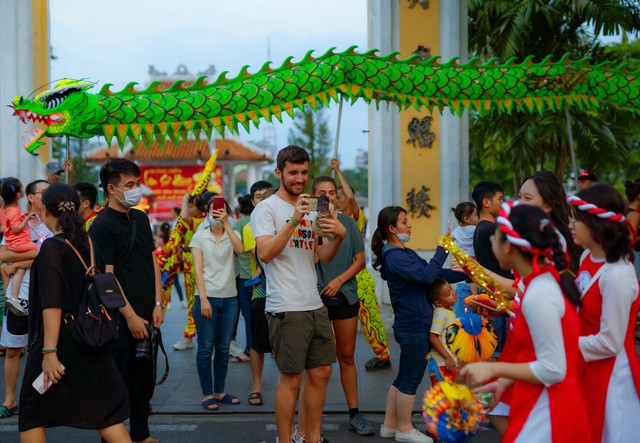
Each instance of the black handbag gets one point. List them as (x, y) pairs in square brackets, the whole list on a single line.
[(333, 302), (97, 321)]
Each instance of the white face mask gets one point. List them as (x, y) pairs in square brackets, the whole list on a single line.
[(131, 197), (215, 223), (404, 238)]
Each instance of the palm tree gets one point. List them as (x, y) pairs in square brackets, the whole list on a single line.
[(527, 142)]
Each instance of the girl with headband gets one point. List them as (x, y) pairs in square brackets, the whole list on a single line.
[(608, 367), (543, 368)]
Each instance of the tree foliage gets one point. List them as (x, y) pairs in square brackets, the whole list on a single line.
[(82, 172), (311, 132), (510, 147)]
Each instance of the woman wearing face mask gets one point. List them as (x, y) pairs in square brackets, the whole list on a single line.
[(408, 276), (216, 306)]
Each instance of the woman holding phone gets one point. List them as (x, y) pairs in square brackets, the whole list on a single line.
[(216, 306), (82, 387)]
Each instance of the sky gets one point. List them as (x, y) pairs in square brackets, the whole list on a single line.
[(115, 41)]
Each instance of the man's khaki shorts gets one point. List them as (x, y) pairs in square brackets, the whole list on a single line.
[(301, 340)]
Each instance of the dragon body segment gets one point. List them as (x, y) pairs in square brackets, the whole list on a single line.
[(200, 108)]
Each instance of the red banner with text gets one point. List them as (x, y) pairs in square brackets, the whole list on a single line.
[(170, 183)]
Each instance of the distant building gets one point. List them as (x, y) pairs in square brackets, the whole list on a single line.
[(362, 159)]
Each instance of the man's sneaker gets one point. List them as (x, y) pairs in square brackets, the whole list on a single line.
[(235, 348), (18, 306), (414, 436), (377, 363), (387, 432), (360, 424), (293, 437), (183, 343), (184, 304)]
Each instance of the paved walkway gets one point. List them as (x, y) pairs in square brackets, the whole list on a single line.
[(181, 393)]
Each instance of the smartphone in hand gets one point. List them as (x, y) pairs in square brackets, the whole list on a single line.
[(38, 383), (218, 203)]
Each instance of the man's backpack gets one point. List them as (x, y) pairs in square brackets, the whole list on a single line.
[(97, 321)]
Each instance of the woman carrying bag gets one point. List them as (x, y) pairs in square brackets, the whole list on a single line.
[(82, 386)]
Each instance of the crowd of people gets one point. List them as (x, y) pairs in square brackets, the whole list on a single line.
[(293, 266)]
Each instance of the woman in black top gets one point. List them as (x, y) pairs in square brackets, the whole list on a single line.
[(87, 390)]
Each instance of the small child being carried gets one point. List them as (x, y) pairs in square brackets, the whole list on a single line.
[(443, 297), (17, 236), (467, 215)]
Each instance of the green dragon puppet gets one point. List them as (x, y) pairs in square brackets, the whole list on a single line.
[(200, 108)]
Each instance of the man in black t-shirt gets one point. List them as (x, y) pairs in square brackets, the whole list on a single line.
[(488, 197), (124, 245)]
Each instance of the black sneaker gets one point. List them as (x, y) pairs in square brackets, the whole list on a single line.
[(359, 423), (376, 363)]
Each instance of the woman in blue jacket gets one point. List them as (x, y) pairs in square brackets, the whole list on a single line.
[(407, 276)]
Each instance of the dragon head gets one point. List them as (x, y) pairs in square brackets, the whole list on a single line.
[(59, 109)]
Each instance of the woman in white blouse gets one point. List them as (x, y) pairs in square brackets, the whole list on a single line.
[(216, 306), (543, 370), (609, 368)]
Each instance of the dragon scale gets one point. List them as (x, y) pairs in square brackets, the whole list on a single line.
[(201, 108)]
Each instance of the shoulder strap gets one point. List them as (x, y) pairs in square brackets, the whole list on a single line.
[(166, 360), (595, 278), (90, 270)]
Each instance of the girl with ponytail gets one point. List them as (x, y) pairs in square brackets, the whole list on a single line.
[(87, 390), (609, 368), (543, 367)]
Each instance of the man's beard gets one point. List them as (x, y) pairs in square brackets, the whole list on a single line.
[(287, 187)]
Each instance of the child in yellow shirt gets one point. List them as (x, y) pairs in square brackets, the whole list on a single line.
[(443, 297)]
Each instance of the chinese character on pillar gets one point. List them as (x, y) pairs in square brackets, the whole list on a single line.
[(420, 131), (423, 3), (423, 53), (418, 202)]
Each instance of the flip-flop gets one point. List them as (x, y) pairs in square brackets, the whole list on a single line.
[(7, 412), (240, 358), (229, 399), (208, 404), (255, 399)]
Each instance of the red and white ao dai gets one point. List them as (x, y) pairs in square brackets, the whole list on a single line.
[(609, 371), (545, 335)]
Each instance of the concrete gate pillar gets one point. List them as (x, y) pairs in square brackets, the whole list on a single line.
[(418, 160)]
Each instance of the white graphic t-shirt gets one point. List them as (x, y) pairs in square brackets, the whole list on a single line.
[(291, 276)]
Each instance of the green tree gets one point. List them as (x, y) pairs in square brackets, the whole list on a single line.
[(511, 147), (311, 132), (82, 172), (358, 179)]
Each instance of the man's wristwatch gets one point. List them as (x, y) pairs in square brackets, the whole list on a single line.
[(159, 303)]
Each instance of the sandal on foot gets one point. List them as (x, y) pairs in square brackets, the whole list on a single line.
[(255, 399), (229, 399), (210, 404), (8, 412), (240, 358), (376, 363)]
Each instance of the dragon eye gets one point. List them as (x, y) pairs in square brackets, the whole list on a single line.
[(21, 100)]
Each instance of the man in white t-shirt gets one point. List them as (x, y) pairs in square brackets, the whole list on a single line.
[(15, 343), (299, 328)]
